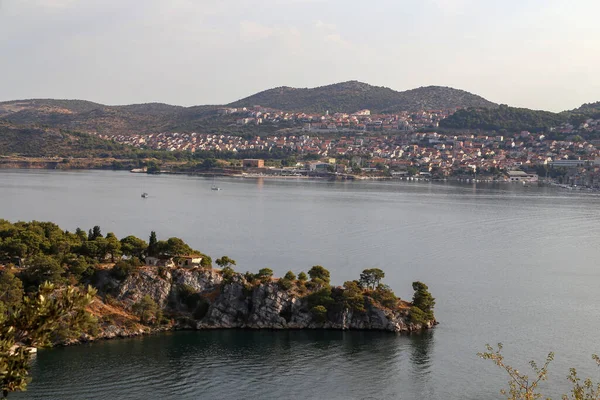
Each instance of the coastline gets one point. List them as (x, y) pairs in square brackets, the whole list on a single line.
[(90, 164)]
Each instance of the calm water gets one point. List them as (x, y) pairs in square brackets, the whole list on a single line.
[(506, 263)]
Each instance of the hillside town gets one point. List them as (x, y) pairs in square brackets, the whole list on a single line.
[(399, 145)]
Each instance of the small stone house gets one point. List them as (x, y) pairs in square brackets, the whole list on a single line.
[(189, 261), (160, 262)]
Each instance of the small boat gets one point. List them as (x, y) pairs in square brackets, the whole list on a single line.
[(214, 186), (144, 195)]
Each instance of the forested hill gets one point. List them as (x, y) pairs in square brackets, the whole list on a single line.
[(352, 96), (504, 118), (34, 141)]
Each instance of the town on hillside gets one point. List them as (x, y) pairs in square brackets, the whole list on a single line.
[(404, 145)]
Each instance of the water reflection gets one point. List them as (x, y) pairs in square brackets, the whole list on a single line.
[(237, 364)]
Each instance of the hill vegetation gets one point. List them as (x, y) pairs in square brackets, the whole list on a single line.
[(50, 142), (504, 118), (86, 116), (352, 96)]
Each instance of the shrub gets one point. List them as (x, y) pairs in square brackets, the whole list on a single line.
[(250, 277), (264, 275), (423, 299), (285, 284), (352, 297), (228, 274), (320, 298), (384, 295), (122, 270), (319, 275), (319, 313), (147, 310), (302, 277), (290, 276), (417, 316)]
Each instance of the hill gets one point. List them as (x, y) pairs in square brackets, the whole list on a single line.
[(352, 96), (504, 118), (51, 142)]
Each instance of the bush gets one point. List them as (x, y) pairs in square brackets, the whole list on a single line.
[(320, 298), (423, 299), (147, 310), (290, 276), (122, 270), (264, 275), (228, 274), (250, 277), (302, 277), (319, 313), (352, 297), (384, 296), (285, 284), (417, 316), (319, 275)]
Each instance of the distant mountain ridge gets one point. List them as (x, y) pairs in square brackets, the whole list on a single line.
[(86, 116), (353, 95)]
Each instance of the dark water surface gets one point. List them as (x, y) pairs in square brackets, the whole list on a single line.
[(506, 263)]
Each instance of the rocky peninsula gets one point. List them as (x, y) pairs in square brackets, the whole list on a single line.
[(204, 299), (142, 287)]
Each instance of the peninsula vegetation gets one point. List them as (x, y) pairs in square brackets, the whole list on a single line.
[(61, 287)]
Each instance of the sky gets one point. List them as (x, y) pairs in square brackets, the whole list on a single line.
[(540, 54)]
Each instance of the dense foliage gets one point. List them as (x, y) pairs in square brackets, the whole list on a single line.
[(352, 96), (504, 118), (34, 321), (47, 253)]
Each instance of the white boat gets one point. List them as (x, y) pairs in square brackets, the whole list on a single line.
[(214, 186)]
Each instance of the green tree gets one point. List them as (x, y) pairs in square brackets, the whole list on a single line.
[(146, 309), (33, 324), (173, 247), (319, 313), (132, 246), (80, 233), (353, 297), (43, 268), (113, 246), (264, 275), (423, 300), (228, 274), (153, 245), (225, 262), (94, 233), (385, 296), (302, 277), (11, 289), (122, 270), (290, 276), (370, 278), (319, 275), (77, 266)]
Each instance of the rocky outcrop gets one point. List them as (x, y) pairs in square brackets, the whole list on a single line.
[(238, 304)]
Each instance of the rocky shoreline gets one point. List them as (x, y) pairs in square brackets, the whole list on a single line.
[(221, 303)]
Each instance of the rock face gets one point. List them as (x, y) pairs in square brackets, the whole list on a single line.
[(238, 304)]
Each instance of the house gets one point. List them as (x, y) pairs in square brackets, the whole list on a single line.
[(160, 262), (253, 163), (189, 261), (521, 176)]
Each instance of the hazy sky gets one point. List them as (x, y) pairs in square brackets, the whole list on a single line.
[(531, 53)]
